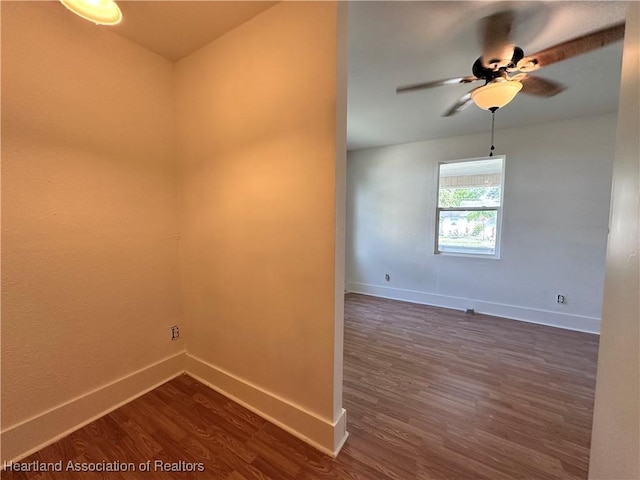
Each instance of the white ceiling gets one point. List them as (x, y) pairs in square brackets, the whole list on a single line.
[(397, 43), (393, 43)]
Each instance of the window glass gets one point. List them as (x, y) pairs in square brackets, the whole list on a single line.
[(469, 206)]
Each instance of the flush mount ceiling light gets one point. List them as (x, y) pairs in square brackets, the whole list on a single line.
[(496, 94), (100, 12)]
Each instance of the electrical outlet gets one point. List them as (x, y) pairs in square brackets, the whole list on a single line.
[(562, 299), (387, 277), (175, 332)]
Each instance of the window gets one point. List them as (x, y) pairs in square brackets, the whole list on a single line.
[(469, 209)]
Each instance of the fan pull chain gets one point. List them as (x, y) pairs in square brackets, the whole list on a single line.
[(493, 122)]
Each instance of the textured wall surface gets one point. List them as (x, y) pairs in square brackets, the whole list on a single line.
[(257, 141), (94, 202), (615, 444), (554, 223), (89, 209)]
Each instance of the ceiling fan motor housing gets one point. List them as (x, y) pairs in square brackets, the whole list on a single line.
[(518, 54), (497, 70)]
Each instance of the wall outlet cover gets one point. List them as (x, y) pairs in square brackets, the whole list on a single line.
[(175, 332)]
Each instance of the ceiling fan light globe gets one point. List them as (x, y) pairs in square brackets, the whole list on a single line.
[(496, 94), (100, 12)]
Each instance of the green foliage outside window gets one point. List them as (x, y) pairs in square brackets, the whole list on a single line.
[(453, 197)]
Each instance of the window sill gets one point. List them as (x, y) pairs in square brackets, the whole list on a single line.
[(468, 255)]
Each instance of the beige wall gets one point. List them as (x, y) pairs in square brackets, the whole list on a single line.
[(257, 141), (89, 213), (91, 231), (615, 450)]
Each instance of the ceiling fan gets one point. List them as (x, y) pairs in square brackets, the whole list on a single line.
[(506, 70)]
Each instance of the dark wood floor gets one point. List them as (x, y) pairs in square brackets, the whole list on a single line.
[(430, 393)]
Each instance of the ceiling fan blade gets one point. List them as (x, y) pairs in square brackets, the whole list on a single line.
[(436, 83), (572, 48), (540, 87), (496, 44), (463, 102)]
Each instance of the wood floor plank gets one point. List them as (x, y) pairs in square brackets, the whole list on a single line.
[(431, 393)]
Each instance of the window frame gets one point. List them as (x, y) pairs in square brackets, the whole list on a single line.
[(498, 209)]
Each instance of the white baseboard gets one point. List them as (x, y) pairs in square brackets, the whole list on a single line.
[(541, 317), (323, 434), (24, 438), (29, 436)]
